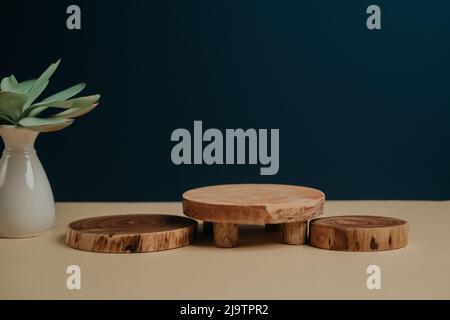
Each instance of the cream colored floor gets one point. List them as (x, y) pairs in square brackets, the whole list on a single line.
[(261, 268)]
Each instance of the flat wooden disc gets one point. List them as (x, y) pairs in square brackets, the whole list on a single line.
[(253, 203), (131, 233), (359, 233)]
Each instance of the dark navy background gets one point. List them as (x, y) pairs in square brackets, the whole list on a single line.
[(362, 114)]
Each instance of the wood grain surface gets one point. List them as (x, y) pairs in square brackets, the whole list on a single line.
[(359, 233), (295, 233), (253, 203), (226, 235), (131, 233)]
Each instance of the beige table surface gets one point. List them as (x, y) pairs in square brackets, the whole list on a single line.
[(260, 268)]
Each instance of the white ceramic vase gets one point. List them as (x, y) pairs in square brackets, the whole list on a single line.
[(26, 200)]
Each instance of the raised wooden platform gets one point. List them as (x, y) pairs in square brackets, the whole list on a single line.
[(227, 206)]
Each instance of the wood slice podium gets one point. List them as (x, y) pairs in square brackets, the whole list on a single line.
[(359, 233), (131, 233), (226, 206)]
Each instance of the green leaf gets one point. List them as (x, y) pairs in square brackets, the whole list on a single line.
[(66, 94), (33, 95), (5, 119), (25, 86), (40, 84), (10, 84), (80, 102), (75, 112), (45, 125), (11, 103)]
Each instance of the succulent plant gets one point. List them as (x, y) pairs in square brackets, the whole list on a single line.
[(17, 107)]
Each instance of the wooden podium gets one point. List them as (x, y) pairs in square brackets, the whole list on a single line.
[(227, 206)]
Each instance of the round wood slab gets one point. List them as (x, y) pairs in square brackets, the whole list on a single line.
[(226, 206), (131, 233), (253, 203), (359, 233)]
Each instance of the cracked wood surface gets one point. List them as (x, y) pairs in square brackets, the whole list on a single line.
[(253, 203), (359, 233), (131, 233)]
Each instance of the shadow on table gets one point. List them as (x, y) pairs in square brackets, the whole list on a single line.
[(249, 235)]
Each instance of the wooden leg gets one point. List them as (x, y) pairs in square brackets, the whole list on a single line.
[(226, 235), (207, 228), (295, 233), (274, 227)]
